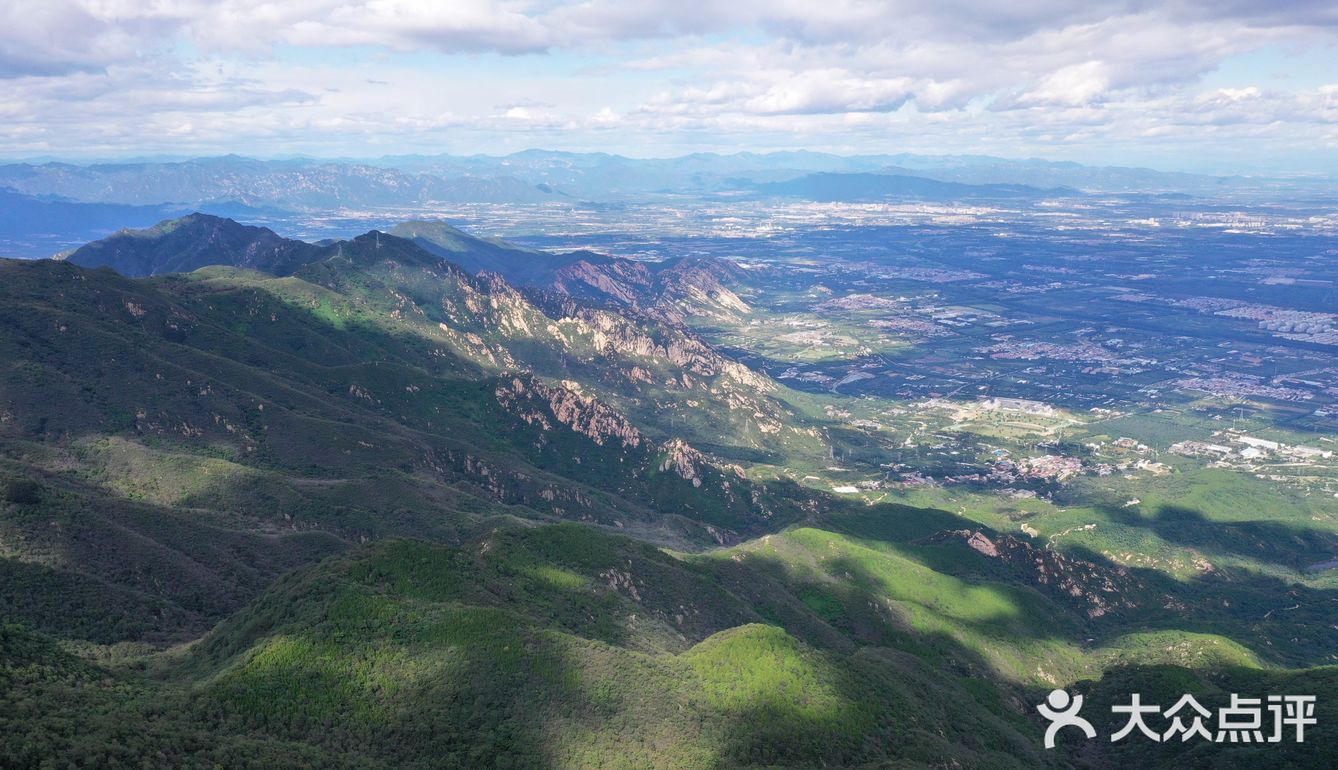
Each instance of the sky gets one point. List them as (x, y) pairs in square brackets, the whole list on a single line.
[(1223, 86)]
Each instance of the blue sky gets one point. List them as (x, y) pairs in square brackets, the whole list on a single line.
[(1189, 84)]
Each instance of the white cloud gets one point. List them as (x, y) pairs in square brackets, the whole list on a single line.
[(1070, 86), (1033, 73), (606, 118), (56, 37)]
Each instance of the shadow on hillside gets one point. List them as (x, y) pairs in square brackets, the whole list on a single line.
[(1164, 685), (464, 668), (1282, 622), (83, 565), (1272, 542), (456, 661), (345, 397)]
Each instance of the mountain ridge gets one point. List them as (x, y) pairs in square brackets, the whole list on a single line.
[(354, 504), (191, 242), (546, 177), (827, 187), (669, 290)]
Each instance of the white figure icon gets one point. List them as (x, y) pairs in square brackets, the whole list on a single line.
[(1062, 711)]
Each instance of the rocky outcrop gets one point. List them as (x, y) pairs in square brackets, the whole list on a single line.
[(546, 406), (650, 371), (670, 291), (1094, 588), (688, 463), (623, 281), (699, 286), (507, 485), (613, 334)]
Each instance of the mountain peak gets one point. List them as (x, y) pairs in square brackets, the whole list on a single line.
[(195, 219), (438, 232), (373, 247), (194, 241)]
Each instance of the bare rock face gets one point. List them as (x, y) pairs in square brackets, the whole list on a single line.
[(983, 545), (669, 291), (649, 368), (1095, 588), (622, 581), (720, 498), (682, 459), (700, 287), (624, 281), (614, 334), (548, 406)]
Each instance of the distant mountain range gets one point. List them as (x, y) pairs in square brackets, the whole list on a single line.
[(872, 187), (296, 184), (538, 177), (601, 175)]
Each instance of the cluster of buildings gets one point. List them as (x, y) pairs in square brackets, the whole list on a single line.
[(1242, 386), (1238, 446)]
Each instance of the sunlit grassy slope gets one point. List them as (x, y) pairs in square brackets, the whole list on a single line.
[(172, 445), (563, 647), (335, 494)]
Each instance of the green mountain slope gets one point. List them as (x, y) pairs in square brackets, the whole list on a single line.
[(528, 267), (382, 512), (555, 647), (192, 242), (153, 417), (561, 647), (634, 348), (670, 290)]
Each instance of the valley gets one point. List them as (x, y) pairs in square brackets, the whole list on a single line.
[(594, 385), (820, 483)]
